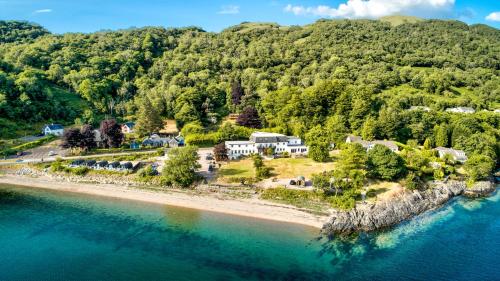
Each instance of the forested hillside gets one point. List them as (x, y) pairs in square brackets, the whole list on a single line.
[(342, 75)]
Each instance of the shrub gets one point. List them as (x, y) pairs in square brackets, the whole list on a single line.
[(479, 167), (345, 201), (413, 181), (203, 140), (57, 166), (319, 152), (32, 144), (385, 164), (160, 152), (80, 171)]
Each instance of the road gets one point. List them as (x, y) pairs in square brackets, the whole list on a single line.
[(42, 152), (50, 159)]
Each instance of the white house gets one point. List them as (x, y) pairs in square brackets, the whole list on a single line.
[(260, 141), (371, 144), (128, 127), (419, 108), (457, 155), (461, 109), (53, 129)]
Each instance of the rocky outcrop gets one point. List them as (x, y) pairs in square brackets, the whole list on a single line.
[(480, 189), (378, 215)]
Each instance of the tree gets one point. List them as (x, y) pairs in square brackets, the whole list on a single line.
[(236, 92), (148, 118), (479, 167), (72, 138), (249, 118), (192, 128), (415, 161), (220, 152), (319, 151), (479, 143), (88, 137), (318, 141), (323, 181), (427, 144), (352, 165), (384, 164), (181, 166), (441, 135), (111, 133), (336, 128), (261, 171), (413, 181), (369, 130)]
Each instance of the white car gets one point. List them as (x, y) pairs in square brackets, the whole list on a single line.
[(52, 153)]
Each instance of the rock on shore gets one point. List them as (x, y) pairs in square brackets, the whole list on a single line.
[(373, 216), (480, 189)]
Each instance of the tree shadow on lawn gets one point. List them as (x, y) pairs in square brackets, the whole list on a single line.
[(233, 172), (372, 193)]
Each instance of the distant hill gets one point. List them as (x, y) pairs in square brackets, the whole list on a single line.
[(399, 19), (191, 75), (20, 31)]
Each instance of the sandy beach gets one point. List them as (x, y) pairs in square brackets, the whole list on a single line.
[(241, 207)]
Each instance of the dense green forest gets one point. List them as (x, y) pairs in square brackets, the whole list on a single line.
[(324, 79)]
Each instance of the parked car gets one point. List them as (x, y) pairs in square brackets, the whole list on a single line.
[(52, 153), (209, 157), (293, 182), (20, 153)]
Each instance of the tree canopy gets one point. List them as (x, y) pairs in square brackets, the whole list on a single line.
[(345, 76)]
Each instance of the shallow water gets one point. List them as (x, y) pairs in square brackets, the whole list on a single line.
[(46, 235)]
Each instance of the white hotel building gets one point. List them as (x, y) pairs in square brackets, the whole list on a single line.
[(259, 141)]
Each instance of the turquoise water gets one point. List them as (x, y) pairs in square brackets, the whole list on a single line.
[(47, 235)]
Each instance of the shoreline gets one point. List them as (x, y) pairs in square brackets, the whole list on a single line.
[(252, 208)]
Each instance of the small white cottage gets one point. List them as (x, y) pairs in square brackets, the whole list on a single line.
[(53, 129)]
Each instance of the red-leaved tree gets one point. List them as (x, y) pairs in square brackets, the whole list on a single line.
[(111, 133)]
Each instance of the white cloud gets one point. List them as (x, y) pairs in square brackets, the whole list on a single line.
[(42, 11), (229, 10), (375, 8), (495, 16)]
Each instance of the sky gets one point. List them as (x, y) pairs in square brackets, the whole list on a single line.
[(60, 16)]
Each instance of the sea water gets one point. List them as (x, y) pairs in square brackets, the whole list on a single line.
[(48, 235)]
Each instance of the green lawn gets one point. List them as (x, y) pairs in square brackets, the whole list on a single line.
[(287, 168), (237, 169), (283, 168)]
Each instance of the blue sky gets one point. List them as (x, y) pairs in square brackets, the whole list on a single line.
[(61, 16)]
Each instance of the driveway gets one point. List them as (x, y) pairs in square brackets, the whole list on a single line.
[(203, 153)]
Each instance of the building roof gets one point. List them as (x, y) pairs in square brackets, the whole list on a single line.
[(446, 149), (461, 108), (457, 154), (265, 137), (127, 165), (354, 138), (420, 107), (130, 125), (54, 126), (238, 142), (388, 144), (366, 144)]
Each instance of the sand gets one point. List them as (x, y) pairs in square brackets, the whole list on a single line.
[(254, 208)]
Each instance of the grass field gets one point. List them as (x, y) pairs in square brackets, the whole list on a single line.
[(283, 168)]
